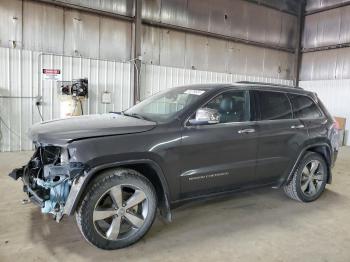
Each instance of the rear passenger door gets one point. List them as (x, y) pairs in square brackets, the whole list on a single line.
[(279, 136), (307, 111)]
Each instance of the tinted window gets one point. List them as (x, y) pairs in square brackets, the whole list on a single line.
[(232, 106), (274, 106), (304, 107)]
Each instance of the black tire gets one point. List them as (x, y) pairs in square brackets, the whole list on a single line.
[(97, 189), (294, 188)]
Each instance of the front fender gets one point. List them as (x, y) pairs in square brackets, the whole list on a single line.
[(80, 183)]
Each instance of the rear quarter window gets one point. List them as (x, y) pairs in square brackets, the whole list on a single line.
[(274, 106), (304, 107)]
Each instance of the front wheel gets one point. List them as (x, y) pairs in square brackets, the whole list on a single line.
[(117, 210), (309, 180)]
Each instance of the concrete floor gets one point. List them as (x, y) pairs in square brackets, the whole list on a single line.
[(262, 225)]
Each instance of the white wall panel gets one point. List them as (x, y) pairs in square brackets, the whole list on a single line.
[(115, 39), (177, 49), (81, 34), (11, 23), (335, 95), (42, 27), (20, 76), (156, 78)]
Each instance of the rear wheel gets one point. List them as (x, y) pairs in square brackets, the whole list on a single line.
[(309, 180), (117, 210)]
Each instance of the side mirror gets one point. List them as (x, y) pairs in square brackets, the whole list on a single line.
[(206, 116)]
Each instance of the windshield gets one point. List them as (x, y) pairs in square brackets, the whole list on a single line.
[(163, 106)]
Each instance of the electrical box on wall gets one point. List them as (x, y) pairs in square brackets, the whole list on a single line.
[(106, 98), (72, 95)]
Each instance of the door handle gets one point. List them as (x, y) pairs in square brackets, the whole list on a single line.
[(246, 131), (297, 127)]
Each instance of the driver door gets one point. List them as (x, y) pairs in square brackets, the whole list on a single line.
[(220, 157)]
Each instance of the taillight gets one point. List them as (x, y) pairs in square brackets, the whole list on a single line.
[(336, 124)]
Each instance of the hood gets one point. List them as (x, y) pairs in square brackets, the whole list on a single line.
[(62, 131)]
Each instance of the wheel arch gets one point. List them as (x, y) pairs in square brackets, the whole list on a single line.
[(148, 168), (323, 148)]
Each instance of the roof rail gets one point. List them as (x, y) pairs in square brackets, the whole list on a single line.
[(265, 84)]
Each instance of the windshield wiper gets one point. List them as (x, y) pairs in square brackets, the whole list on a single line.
[(135, 116)]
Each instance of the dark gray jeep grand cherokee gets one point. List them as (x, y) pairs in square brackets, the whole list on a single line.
[(114, 171)]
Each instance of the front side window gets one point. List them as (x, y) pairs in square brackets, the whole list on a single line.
[(304, 107), (274, 106), (166, 105), (232, 106)]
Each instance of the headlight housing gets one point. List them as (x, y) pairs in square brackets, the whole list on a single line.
[(64, 155)]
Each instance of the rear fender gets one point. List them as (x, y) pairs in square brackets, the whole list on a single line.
[(323, 149)]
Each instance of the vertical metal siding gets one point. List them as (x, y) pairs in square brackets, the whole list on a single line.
[(314, 5), (329, 64), (43, 28), (171, 48), (11, 23), (334, 94), (51, 29), (232, 18), (20, 75), (327, 28), (157, 78)]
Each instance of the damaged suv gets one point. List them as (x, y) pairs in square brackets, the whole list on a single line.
[(114, 171)]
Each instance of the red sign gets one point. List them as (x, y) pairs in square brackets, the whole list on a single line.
[(52, 74), (51, 71)]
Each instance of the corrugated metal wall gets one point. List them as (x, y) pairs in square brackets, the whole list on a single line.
[(86, 44), (325, 67), (157, 78), (315, 5), (328, 30), (335, 95), (47, 28), (240, 19), (20, 76), (237, 18), (172, 48)]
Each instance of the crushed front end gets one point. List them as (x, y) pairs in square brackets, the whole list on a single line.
[(48, 177)]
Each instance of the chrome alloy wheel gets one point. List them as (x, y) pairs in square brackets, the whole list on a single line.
[(312, 178), (120, 212)]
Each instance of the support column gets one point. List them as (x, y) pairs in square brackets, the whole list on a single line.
[(298, 53), (137, 49)]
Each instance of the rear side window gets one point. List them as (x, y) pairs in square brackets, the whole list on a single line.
[(304, 107), (274, 106)]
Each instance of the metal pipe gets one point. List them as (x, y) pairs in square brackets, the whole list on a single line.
[(85, 9), (324, 48), (217, 36), (323, 9), (29, 97)]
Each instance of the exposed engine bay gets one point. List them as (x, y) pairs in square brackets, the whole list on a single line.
[(48, 177)]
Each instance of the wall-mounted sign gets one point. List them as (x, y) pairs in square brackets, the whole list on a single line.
[(52, 74)]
